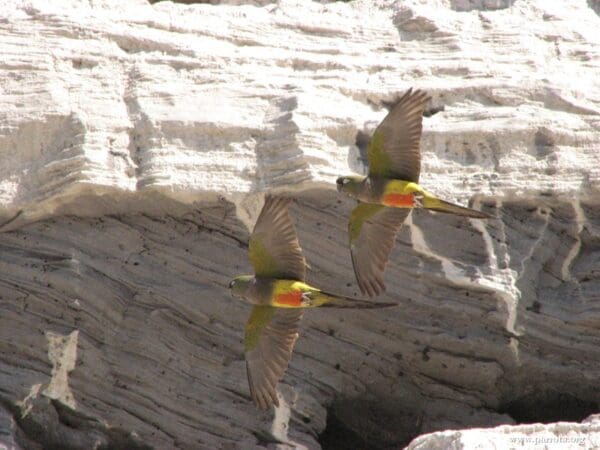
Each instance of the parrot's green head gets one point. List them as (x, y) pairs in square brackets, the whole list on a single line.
[(239, 285), (351, 185)]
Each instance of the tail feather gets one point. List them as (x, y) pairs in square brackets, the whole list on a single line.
[(335, 301), (435, 204)]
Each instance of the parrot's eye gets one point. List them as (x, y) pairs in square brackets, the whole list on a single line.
[(346, 181), (231, 284)]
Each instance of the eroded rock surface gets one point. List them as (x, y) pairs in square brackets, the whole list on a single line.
[(136, 141), (562, 435)]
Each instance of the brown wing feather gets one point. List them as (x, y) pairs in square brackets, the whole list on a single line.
[(268, 360), (371, 250), (401, 131), (274, 248)]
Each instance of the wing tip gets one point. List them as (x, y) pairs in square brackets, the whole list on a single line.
[(263, 398), (411, 95), (371, 287), (276, 201)]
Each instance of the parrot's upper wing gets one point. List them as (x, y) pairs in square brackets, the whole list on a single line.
[(372, 230), (394, 150), (269, 341), (274, 249)]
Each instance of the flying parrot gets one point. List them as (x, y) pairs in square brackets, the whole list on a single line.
[(279, 296), (390, 191)]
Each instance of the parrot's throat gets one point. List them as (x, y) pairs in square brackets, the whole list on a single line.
[(399, 200)]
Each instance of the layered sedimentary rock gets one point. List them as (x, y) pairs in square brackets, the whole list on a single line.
[(136, 142)]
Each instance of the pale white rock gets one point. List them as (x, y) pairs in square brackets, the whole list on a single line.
[(137, 142), (563, 435), (199, 101)]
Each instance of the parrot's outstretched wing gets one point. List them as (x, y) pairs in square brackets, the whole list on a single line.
[(372, 231), (269, 341), (274, 249), (394, 150)]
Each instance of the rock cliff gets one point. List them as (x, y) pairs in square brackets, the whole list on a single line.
[(136, 142)]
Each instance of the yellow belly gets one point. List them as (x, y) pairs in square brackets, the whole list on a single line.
[(401, 187)]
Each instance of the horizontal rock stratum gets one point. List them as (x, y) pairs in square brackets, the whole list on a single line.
[(137, 141)]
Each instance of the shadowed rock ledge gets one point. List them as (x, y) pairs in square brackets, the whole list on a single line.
[(136, 141)]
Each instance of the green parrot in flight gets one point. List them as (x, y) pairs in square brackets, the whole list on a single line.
[(279, 296), (390, 190)]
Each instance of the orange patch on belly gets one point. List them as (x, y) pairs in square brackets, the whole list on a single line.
[(289, 299), (399, 200)]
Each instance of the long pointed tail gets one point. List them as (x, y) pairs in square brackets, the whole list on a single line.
[(336, 301), (435, 204)]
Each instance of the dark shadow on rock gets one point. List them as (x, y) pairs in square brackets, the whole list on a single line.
[(481, 5), (369, 424), (544, 142), (362, 143), (549, 406)]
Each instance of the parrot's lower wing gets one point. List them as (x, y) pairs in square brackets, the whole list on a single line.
[(269, 341), (372, 230)]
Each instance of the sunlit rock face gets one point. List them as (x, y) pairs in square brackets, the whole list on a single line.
[(136, 142), (562, 435)]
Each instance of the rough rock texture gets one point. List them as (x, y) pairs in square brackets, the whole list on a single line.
[(566, 436), (136, 141)]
